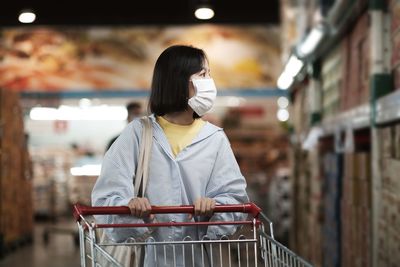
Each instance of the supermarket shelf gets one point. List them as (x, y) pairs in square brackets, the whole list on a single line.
[(388, 108), (356, 118)]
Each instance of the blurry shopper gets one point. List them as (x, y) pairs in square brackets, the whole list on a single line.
[(191, 160), (134, 111)]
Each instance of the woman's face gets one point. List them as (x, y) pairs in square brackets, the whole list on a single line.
[(204, 73)]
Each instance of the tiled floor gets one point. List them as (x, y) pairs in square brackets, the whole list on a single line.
[(60, 251)]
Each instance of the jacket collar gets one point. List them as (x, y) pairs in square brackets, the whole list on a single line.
[(158, 134)]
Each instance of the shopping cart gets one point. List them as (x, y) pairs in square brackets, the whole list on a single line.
[(252, 245)]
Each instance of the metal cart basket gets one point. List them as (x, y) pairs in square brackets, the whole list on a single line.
[(252, 245)]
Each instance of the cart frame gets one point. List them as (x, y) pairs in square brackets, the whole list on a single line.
[(266, 251)]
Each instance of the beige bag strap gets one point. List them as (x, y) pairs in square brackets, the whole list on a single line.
[(142, 169)]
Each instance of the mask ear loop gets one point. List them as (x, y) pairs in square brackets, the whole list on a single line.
[(194, 87)]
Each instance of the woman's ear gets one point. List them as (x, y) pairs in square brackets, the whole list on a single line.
[(192, 90)]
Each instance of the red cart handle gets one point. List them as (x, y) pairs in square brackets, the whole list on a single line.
[(82, 210)]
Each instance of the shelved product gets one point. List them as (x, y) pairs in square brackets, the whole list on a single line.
[(356, 206), (332, 174), (357, 67), (16, 222), (394, 9), (279, 200), (361, 207), (50, 182), (301, 198), (261, 152), (332, 82), (300, 112), (306, 230), (388, 229), (80, 189)]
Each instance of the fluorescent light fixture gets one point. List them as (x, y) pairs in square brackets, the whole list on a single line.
[(204, 13), (84, 102), (293, 66), (285, 81), (72, 113), (86, 170), (282, 114), (38, 114), (26, 17), (311, 42), (283, 102)]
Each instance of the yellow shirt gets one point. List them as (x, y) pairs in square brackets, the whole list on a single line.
[(180, 136)]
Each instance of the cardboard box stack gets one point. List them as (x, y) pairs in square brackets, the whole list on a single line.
[(388, 195), (332, 81), (315, 215), (332, 172), (306, 230), (356, 205), (394, 9), (301, 197), (356, 67), (16, 215), (50, 182)]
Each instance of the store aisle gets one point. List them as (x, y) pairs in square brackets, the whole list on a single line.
[(60, 252)]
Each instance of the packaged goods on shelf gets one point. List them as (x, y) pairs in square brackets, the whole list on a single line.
[(356, 68), (356, 210), (332, 172), (395, 60), (389, 228), (390, 178), (50, 182), (386, 137), (396, 142), (80, 189), (394, 11), (387, 194), (16, 223), (332, 81), (306, 226)]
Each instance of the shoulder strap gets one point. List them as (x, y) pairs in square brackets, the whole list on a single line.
[(142, 169)]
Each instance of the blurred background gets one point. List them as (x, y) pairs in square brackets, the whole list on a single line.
[(307, 95)]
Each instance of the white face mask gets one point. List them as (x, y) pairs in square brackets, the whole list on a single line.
[(203, 100)]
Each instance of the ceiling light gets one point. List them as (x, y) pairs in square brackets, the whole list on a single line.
[(312, 41), (204, 12), (26, 17), (283, 102), (284, 81), (282, 115), (86, 170), (293, 66), (70, 113), (84, 102), (291, 70)]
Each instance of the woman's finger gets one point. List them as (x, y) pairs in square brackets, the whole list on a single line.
[(197, 207), (209, 207), (147, 207), (134, 207), (203, 206)]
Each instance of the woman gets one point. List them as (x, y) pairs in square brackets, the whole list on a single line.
[(191, 161)]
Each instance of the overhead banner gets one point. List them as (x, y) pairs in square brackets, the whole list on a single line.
[(115, 58)]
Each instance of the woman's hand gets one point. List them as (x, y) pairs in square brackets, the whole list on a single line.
[(203, 207), (141, 208)]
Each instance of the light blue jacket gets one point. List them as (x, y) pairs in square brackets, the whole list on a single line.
[(205, 168)]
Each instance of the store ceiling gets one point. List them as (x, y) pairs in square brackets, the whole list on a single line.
[(155, 12)]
